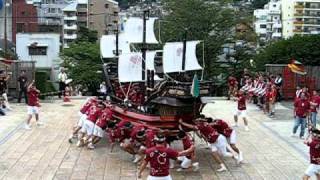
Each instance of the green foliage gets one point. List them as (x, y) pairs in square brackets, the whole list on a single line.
[(9, 55), (204, 21), (43, 84), (258, 4), (84, 34), (83, 62), (302, 48)]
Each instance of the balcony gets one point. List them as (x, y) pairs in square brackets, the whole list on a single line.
[(70, 27), (274, 12), (298, 23), (70, 18), (298, 6), (277, 25), (276, 35), (70, 36)]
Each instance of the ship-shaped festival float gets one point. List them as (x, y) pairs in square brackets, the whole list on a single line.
[(154, 88)]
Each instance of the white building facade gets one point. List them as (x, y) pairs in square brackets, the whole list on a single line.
[(43, 48), (70, 24), (268, 23), (300, 17)]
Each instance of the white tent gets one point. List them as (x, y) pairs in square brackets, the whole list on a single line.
[(172, 57), (133, 30), (108, 45)]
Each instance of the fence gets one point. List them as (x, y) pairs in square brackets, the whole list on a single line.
[(292, 80), (15, 70)]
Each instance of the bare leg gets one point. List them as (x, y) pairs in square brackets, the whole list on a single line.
[(96, 139), (235, 119), (37, 117), (128, 148), (318, 176), (234, 147), (217, 157), (29, 119), (245, 121), (306, 177)]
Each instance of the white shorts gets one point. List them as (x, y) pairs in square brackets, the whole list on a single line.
[(242, 113), (97, 131), (186, 162), (233, 137), (81, 121), (159, 178), (88, 127), (313, 169), (33, 110), (80, 114), (220, 145)]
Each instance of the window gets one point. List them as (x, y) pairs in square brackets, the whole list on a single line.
[(20, 27), (263, 26), (38, 51), (106, 6), (274, 5)]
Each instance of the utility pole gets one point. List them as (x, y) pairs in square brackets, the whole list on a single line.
[(5, 28), (146, 14)]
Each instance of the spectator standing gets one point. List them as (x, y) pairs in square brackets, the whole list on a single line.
[(62, 81), (278, 82), (3, 89), (314, 105), (22, 80), (103, 89), (301, 110)]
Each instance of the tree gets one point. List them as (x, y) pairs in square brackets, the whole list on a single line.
[(201, 20), (83, 61), (302, 48), (87, 35), (258, 4)]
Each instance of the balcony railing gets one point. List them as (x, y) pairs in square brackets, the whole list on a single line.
[(298, 6), (70, 18), (70, 27), (70, 36), (298, 22)]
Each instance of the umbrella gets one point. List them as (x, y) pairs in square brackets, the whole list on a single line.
[(297, 67)]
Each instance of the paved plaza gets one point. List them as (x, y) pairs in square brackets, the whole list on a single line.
[(44, 152)]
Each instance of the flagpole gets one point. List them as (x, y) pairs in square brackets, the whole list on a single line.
[(5, 28)]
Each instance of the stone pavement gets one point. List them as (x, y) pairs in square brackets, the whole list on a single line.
[(44, 152)]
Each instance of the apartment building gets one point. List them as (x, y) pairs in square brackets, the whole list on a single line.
[(103, 16), (70, 26), (50, 14), (300, 17), (268, 25), (24, 17)]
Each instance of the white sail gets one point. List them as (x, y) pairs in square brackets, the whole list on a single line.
[(172, 57), (108, 45), (130, 67), (133, 30)]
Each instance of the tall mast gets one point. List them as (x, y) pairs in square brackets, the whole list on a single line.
[(184, 49), (144, 44)]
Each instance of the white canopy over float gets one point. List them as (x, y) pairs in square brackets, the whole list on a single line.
[(133, 30), (108, 45), (172, 57)]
